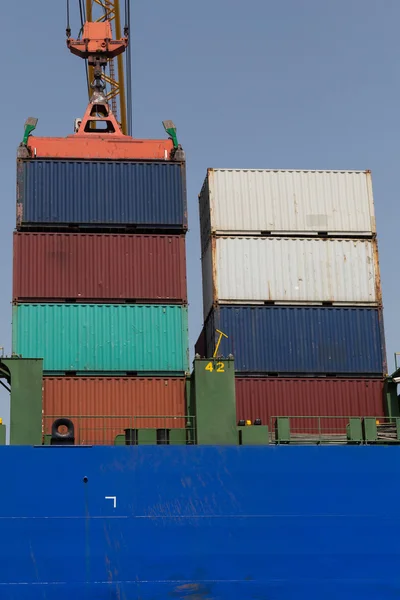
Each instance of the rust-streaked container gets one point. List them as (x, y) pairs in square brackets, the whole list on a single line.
[(102, 407), (255, 270), (95, 146), (264, 398), (103, 267), (264, 201)]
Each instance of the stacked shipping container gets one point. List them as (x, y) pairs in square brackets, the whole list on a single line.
[(99, 283), (291, 275)]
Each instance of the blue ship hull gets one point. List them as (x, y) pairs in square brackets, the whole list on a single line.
[(200, 523)]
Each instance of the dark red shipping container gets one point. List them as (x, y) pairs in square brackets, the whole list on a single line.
[(99, 267), (102, 407), (264, 398)]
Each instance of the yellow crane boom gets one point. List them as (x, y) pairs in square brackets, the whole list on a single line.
[(115, 78)]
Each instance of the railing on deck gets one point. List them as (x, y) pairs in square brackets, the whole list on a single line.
[(180, 430), (111, 429), (333, 430)]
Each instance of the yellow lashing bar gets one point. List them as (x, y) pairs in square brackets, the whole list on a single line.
[(221, 335)]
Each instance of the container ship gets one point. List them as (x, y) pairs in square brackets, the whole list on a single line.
[(266, 469)]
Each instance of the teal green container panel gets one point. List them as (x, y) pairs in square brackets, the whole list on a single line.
[(103, 337)]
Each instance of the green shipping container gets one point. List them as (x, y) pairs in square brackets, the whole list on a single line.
[(103, 337)]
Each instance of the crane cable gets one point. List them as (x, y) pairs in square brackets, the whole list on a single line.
[(128, 66), (103, 7), (83, 19), (68, 29)]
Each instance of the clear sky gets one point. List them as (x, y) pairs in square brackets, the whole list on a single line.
[(297, 84)]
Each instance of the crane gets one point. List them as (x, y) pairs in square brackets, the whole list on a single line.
[(102, 19), (109, 114)]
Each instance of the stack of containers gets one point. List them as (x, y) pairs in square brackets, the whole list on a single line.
[(99, 285), (291, 275)]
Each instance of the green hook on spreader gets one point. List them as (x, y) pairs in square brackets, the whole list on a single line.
[(30, 125), (171, 130)]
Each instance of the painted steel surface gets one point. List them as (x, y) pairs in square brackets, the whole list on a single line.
[(94, 146), (109, 193), (104, 267), (94, 403), (254, 269), (103, 337), (288, 523), (213, 402), (25, 399), (282, 201), (267, 397), (300, 340)]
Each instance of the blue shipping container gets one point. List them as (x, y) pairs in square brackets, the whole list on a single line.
[(112, 193), (103, 337), (300, 340)]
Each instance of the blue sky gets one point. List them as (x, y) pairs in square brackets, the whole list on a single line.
[(299, 84)]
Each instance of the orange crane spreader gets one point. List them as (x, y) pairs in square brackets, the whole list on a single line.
[(98, 46)]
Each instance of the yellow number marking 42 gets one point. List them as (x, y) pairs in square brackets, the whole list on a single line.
[(219, 367)]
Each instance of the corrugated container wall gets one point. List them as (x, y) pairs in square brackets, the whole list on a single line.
[(264, 398), (103, 337), (299, 340), (282, 201), (246, 270), (87, 267), (102, 407), (95, 193)]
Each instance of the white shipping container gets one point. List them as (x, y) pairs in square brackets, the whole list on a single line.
[(281, 202), (257, 270)]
